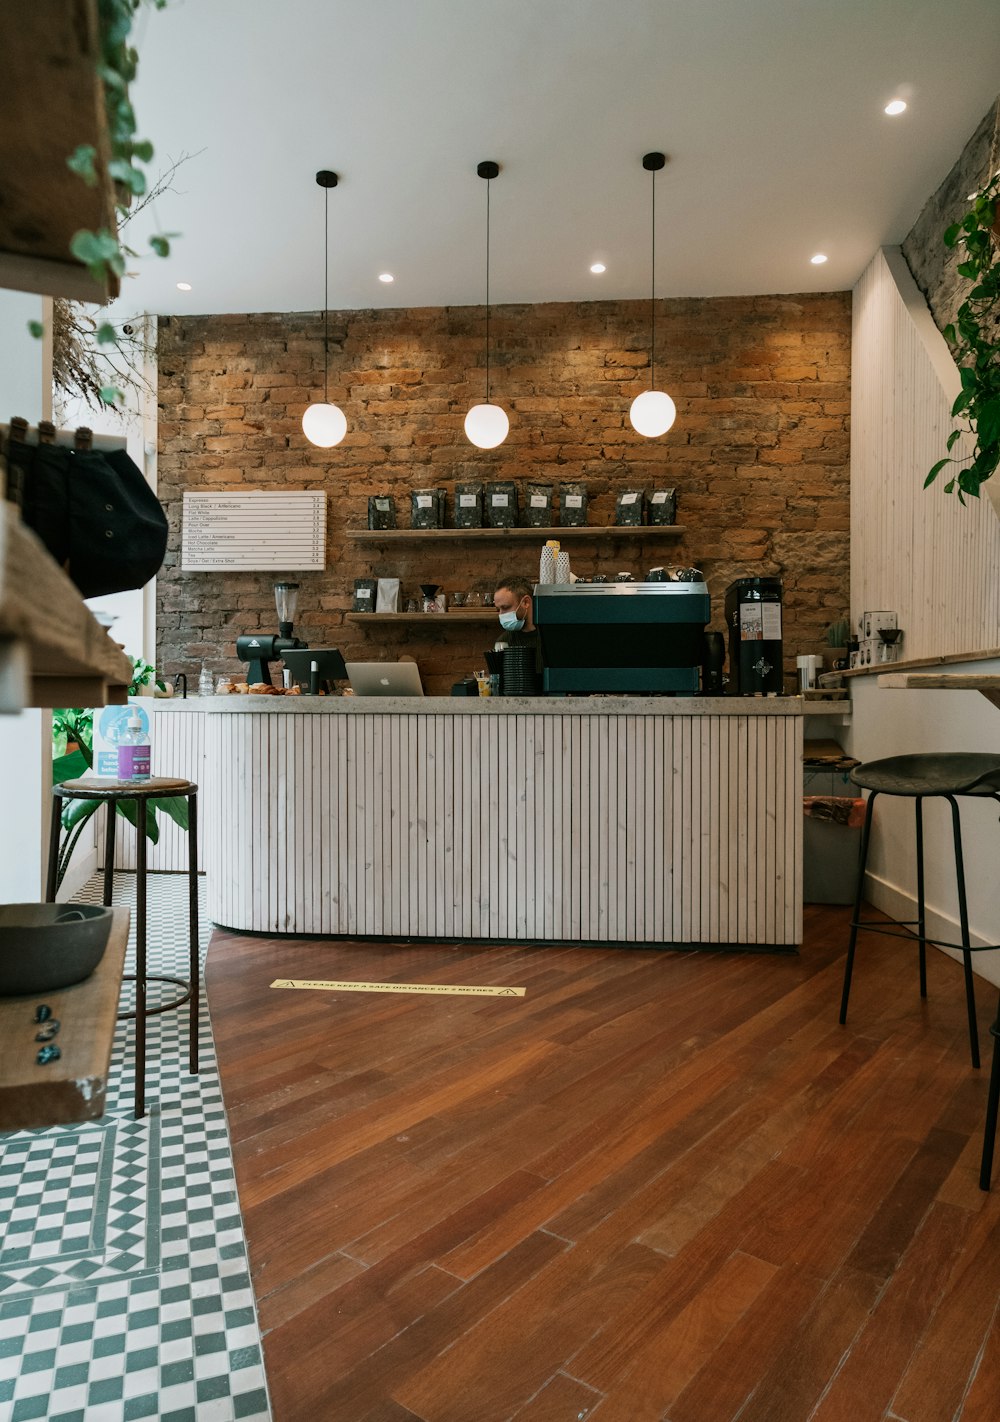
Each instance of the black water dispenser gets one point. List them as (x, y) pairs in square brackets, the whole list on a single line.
[(753, 617)]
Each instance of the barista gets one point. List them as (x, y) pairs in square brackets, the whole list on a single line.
[(513, 602)]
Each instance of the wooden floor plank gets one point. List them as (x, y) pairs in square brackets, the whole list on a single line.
[(660, 1185)]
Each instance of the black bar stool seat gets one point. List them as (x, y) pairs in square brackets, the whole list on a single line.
[(112, 792), (949, 776)]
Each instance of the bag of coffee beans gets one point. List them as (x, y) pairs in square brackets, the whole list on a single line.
[(629, 504), (381, 511), (538, 506), (663, 506), (468, 505), (573, 505), (424, 509), (501, 504), (364, 594)]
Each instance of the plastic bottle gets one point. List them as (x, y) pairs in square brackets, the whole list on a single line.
[(133, 750), (205, 684)]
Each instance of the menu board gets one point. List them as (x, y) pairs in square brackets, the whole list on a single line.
[(260, 531)]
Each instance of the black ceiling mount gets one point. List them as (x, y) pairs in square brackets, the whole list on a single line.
[(326, 179), (653, 162), (488, 169)]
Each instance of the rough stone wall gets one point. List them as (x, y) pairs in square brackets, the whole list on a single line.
[(758, 454), (934, 266)]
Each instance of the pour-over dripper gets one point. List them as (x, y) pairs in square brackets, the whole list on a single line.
[(429, 590), (890, 635)]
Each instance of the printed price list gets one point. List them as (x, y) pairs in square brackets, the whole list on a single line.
[(258, 532)]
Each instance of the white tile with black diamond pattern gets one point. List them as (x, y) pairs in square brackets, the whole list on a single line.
[(124, 1285)]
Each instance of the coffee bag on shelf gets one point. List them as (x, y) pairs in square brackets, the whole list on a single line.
[(538, 504), (468, 505), (629, 507), (663, 507), (573, 505), (425, 508), (501, 504), (381, 511), (364, 594)]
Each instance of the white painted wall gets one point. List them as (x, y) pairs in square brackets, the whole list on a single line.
[(25, 740), (938, 565)]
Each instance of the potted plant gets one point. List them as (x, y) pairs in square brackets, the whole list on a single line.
[(838, 634), (975, 336), (73, 756)]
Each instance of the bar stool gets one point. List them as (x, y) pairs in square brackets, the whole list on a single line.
[(992, 1103), (112, 793), (921, 777)]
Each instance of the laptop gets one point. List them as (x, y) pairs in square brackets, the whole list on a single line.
[(384, 678)]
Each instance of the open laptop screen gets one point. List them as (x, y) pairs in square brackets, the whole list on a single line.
[(384, 678)]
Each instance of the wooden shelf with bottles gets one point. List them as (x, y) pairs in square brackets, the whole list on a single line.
[(455, 616), (611, 533)]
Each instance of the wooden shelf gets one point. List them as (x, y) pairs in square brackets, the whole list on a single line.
[(457, 615), (74, 1088), (608, 532), (51, 101), (53, 652)]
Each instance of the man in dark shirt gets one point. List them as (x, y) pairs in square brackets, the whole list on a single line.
[(513, 602)]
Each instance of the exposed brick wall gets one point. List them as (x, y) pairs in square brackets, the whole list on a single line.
[(758, 454)]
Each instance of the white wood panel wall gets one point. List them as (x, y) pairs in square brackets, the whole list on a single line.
[(565, 827), (914, 551), (177, 743)]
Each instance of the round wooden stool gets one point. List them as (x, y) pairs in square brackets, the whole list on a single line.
[(112, 792), (921, 777)]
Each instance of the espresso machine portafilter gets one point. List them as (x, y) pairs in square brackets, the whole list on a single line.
[(259, 650)]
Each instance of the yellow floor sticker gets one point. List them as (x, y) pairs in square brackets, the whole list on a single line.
[(447, 990)]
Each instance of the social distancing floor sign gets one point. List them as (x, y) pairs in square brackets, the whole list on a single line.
[(435, 989)]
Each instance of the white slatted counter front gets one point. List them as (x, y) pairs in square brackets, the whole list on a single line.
[(610, 820)]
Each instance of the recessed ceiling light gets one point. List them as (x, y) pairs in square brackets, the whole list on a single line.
[(597, 268), (183, 286), (898, 106), (386, 276), (819, 259)]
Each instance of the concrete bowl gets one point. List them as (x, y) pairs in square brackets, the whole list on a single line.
[(44, 947)]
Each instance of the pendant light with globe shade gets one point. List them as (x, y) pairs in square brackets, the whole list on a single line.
[(486, 425), (324, 424), (653, 412)]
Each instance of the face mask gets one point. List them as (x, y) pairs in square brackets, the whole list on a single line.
[(510, 622)]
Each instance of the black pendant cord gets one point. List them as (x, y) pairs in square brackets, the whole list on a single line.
[(326, 296), (488, 291), (652, 295)]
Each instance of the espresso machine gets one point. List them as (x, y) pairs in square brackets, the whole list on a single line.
[(259, 650)]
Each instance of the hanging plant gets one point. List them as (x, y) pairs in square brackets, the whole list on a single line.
[(975, 337)]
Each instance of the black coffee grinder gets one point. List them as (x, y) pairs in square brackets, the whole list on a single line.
[(258, 650)]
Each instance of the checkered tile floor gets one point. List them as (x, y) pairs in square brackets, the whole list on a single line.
[(124, 1286)]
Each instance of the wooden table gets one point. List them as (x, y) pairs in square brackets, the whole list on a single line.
[(74, 1088), (985, 682)]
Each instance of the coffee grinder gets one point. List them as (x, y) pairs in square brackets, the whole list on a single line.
[(258, 650)]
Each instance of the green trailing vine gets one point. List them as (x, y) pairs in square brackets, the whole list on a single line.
[(975, 336), (102, 252)]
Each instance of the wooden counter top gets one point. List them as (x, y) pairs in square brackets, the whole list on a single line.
[(696, 706), (53, 651), (74, 1088)]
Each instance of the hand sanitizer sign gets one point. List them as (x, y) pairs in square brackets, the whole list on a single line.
[(121, 743)]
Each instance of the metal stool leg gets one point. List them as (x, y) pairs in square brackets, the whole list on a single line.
[(193, 932), (963, 913), (111, 810), (855, 917), (921, 909), (140, 957), (55, 826), (992, 1103)]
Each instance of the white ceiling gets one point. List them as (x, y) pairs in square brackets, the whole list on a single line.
[(770, 112)]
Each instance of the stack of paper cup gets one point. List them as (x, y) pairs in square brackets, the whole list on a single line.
[(562, 568)]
